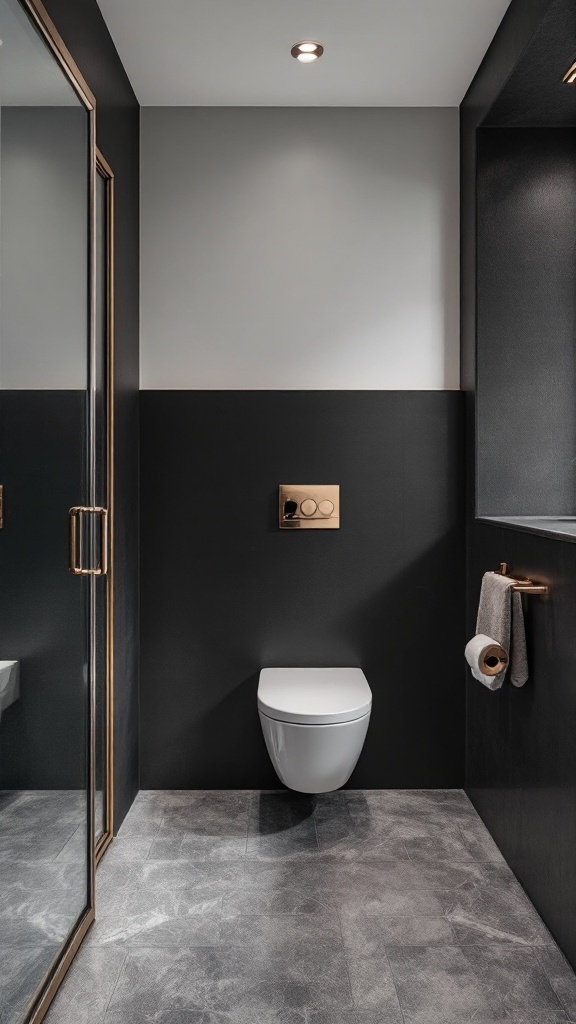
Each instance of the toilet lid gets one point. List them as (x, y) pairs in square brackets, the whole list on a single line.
[(314, 696)]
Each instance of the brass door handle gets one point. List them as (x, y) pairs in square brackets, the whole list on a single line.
[(76, 526)]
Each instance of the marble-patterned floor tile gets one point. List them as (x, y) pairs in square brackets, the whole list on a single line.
[(34, 844), (415, 875), (285, 900), (88, 987), (497, 914), (188, 1016), (220, 813), (145, 816), (342, 837), (142, 825), (439, 985), (112, 876), (396, 903), (129, 848), (370, 935), (31, 876), (185, 874), (282, 932), (287, 831), (10, 800), (514, 975), (560, 975), (355, 1016), (134, 915), (480, 844), (196, 847), (230, 980), (21, 971), (373, 986), (412, 813), (355, 907), (451, 848), (74, 850), (193, 821), (38, 918), (170, 799), (273, 813), (156, 928)]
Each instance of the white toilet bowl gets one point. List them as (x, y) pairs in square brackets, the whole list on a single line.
[(314, 722)]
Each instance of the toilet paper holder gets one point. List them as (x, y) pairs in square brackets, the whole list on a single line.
[(522, 586)]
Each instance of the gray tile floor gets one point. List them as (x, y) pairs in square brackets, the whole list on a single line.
[(372, 907), (42, 887)]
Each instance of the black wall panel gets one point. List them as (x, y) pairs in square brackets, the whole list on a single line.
[(42, 458), (521, 770), (526, 321), (520, 763), (225, 592), (84, 31)]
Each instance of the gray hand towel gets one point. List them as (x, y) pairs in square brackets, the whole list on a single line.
[(500, 615)]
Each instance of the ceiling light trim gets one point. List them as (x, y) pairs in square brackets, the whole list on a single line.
[(307, 51)]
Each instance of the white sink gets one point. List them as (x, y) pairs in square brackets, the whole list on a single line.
[(9, 683)]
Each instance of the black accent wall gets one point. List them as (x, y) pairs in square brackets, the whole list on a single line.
[(82, 27), (521, 770), (526, 320), (42, 459), (225, 592)]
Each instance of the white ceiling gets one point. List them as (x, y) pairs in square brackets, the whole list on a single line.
[(237, 52)]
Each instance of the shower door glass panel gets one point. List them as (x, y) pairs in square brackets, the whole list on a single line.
[(46, 467)]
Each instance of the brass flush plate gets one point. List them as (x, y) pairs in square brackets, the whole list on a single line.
[(309, 507)]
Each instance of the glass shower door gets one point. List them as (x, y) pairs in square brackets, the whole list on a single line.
[(47, 463)]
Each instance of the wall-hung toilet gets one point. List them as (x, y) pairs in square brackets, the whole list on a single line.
[(314, 722)]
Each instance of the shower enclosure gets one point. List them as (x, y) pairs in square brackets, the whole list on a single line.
[(55, 458)]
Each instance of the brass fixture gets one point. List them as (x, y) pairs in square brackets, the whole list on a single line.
[(570, 76), (523, 586), (309, 507), (307, 51), (77, 529)]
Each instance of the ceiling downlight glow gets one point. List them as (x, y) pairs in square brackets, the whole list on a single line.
[(307, 51)]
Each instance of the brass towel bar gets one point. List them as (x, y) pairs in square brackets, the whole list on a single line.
[(523, 586)]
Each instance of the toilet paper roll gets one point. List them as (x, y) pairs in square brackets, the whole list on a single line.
[(488, 660)]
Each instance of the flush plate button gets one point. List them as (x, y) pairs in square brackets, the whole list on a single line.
[(309, 507), (326, 507)]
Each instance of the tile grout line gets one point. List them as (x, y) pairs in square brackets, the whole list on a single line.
[(345, 953), (123, 964), (248, 817), (548, 979), (394, 983)]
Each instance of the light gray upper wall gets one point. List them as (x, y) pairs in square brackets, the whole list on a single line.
[(299, 248), (44, 179)]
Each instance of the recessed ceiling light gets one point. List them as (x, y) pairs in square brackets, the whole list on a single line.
[(307, 51), (570, 76)]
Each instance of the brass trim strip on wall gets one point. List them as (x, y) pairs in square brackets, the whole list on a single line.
[(104, 169), (49, 985), (76, 523)]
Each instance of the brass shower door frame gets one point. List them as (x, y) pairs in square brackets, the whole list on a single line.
[(50, 984), (104, 170)]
